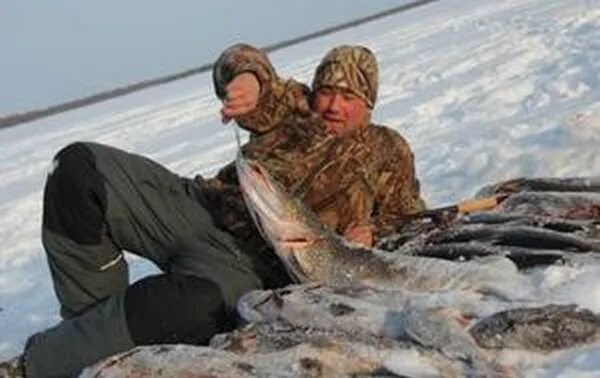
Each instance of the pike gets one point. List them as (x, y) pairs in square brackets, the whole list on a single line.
[(357, 354), (541, 329), (430, 329), (277, 350), (313, 253)]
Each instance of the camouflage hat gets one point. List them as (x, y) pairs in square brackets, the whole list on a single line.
[(350, 67)]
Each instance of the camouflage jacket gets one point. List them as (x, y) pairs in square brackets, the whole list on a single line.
[(367, 178)]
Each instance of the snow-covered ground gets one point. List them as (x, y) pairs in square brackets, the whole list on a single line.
[(483, 91)]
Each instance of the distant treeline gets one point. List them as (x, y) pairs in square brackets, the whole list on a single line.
[(19, 118)]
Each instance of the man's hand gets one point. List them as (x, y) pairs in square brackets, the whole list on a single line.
[(361, 234), (241, 96)]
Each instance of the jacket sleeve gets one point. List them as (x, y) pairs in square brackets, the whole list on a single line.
[(228, 174), (397, 188), (278, 98)]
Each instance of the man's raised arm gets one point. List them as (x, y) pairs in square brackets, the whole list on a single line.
[(252, 92)]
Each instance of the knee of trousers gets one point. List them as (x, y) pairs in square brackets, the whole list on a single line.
[(75, 198), (175, 308)]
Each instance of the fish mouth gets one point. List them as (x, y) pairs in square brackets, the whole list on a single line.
[(271, 208), (297, 243), (293, 231)]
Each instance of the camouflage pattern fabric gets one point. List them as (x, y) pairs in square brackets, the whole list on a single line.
[(353, 68), (362, 179), (278, 98), (367, 178), (241, 58)]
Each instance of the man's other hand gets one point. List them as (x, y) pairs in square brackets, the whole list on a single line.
[(361, 234), (241, 96)]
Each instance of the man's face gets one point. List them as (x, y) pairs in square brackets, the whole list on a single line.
[(342, 111)]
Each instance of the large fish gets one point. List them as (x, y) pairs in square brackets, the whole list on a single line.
[(386, 357), (313, 253), (543, 328), (302, 356), (409, 326)]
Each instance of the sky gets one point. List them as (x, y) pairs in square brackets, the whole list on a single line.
[(60, 50), (483, 92)]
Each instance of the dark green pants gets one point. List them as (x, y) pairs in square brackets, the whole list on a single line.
[(99, 201)]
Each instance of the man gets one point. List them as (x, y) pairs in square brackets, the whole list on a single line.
[(358, 177), (99, 201)]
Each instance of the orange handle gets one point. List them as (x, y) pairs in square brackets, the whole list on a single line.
[(479, 204)]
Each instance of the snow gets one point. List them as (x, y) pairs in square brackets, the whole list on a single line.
[(483, 91)]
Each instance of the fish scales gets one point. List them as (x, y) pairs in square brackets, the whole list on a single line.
[(312, 253)]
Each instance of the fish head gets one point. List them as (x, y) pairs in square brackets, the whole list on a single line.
[(282, 219)]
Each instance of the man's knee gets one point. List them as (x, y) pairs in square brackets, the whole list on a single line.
[(175, 308), (75, 199)]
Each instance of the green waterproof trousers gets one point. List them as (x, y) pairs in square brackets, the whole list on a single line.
[(98, 202)]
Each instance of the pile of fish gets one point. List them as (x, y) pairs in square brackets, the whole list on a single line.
[(437, 299)]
